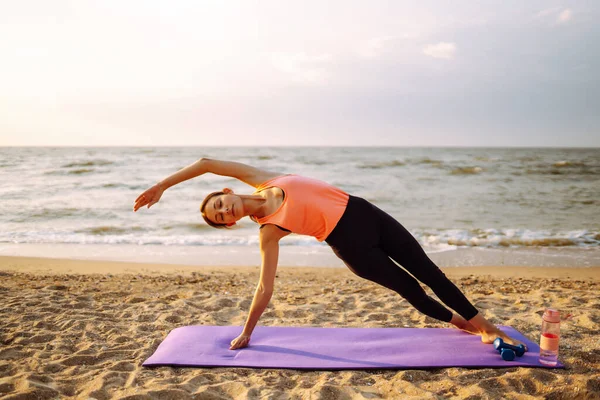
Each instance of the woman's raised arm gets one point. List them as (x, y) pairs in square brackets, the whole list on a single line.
[(243, 172), (246, 173)]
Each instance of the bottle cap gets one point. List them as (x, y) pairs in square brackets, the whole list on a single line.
[(551, 315)]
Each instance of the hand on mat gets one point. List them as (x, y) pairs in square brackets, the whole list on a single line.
[(149, 197), (239, 342)]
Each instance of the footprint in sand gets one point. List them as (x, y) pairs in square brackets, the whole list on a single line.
[(122, 339), (295, 314), (361, 379), (376, 317), (122, 366), (593, 386), (53, 368), (146, 318), (522, 385), (79, 360), (332, 392), (173, 319), (6, 388), (212, 393), (56, 287), (134, 300), (146, 328), (492, 385)]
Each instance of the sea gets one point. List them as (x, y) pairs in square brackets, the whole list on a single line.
[(523, 206)]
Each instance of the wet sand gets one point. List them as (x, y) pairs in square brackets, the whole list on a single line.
[(81, 329)]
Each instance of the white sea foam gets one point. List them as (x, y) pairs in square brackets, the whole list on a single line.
[(442, 240)]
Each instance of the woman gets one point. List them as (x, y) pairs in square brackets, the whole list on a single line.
[(364, 237)]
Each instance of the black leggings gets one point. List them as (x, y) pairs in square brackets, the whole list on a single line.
[(367, 239)]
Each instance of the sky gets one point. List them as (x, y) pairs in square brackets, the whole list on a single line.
[(288, 73)]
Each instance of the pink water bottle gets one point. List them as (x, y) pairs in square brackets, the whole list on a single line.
[(550, 337)]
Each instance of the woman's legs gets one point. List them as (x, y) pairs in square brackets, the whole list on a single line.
[(374, 265), (366, 237), (403, 248), (356, 240)]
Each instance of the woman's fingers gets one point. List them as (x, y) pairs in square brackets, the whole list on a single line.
[(144, 194), (239, 343), (143, 199), (149, 197), (139, 204), (148, 193)]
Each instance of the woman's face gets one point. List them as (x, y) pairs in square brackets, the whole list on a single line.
[(224, 209)]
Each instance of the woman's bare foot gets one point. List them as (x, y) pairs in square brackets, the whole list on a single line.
[(489, 332), (489, 337), (463, 324)]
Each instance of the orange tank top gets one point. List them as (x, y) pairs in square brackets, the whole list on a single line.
[(310, 206)]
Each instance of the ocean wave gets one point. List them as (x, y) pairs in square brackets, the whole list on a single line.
[(508, 238), (114, 185), (427, 160), (486, 159), (44, 214), (87, 163), (528, 158), (466, 171), (79, 171), (568, 164), (386, 164), (109, 230), (135, 238), (311, 161), (583, 202), (189, 227), (53, 213), (431, 240), (561, 168)]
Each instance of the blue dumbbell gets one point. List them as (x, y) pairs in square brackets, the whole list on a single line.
[(507, 354), (500, 346)]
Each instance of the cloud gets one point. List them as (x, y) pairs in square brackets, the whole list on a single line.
[(374, 47), (547, 12), (443, 50), (565, 16), (301, 67), (557, 14)]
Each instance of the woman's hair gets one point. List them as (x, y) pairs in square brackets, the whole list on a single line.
[(203, 206)]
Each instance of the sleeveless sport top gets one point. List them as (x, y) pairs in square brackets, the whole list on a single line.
[(310, 206)]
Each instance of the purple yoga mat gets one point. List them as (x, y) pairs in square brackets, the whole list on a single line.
[(335, 348)]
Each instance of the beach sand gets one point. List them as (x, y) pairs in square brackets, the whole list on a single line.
[(81, 329)]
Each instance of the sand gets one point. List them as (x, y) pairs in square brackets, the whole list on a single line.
[(81, 329)]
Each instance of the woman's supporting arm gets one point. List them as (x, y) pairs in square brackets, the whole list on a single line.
[(269, 246), (264, 290)]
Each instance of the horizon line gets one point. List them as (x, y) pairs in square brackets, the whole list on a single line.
[(307, 145)]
